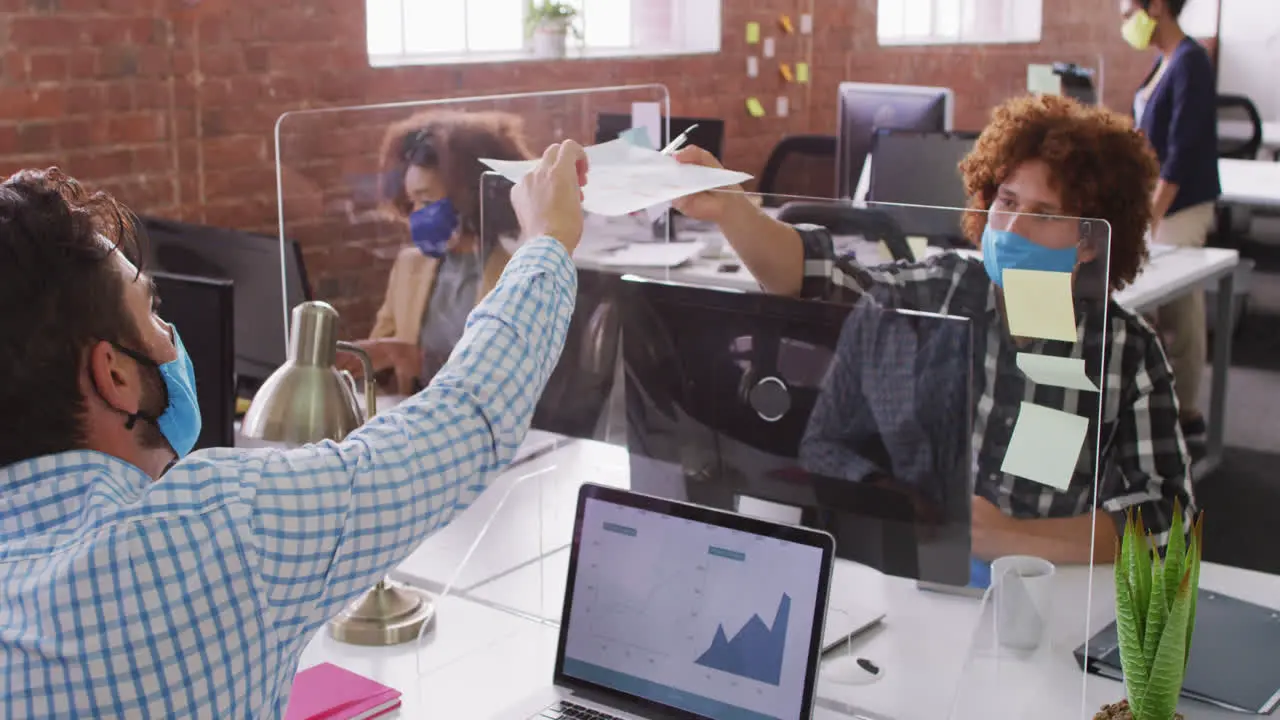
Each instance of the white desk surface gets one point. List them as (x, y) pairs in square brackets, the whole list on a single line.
[(1250, 182)]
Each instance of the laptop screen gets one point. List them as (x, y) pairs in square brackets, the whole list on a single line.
[(709, 619)]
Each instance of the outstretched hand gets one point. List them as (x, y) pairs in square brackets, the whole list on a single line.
[(548, 200)]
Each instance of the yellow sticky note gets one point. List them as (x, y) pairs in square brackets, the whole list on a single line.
[(918, 246), (785, 69), (785, 23), (1042, 80), (802, 72), (1039, 304), (1045, 446), (1065, 372), (753, 33), (754, 107)]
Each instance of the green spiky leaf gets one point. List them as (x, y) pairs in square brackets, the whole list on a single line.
[(1195, 554), (1138, 560), (1164, 683), (1127, 626), (1174, 553), (1157, 614)]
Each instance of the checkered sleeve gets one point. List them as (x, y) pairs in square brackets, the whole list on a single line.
[(325, 522), (1150, 453), (919, 286)]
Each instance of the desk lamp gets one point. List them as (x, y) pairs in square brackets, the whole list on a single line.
[(308, 400)]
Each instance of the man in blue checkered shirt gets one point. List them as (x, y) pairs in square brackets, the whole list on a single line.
[(134, 586)]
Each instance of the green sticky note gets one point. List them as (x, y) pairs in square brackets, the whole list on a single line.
[(802, 72), (753, 33), (1042, 80), (754, 107)]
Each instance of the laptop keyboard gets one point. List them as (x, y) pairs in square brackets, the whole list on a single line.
[(564, 710)]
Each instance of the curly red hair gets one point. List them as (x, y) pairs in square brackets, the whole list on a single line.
[(1102, 166)]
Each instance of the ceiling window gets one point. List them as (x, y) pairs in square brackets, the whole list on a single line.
[(409, 32)]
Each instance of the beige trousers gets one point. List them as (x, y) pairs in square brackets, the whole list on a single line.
[(1182, 321)]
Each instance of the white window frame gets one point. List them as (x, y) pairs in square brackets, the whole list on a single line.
[(1021, 21), (696, 30)]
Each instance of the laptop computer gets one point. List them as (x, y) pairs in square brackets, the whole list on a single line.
[(677, 610)]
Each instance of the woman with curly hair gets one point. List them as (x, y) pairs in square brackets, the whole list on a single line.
[(430, 180), (1041, 156)]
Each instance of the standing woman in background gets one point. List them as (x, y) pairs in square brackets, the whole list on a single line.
[(1176, 108), (429, 179)]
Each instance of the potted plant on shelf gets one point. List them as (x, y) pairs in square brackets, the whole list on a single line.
[(548, 23), (1155, 617)]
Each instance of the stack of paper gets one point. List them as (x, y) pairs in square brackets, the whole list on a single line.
[(625, 178)]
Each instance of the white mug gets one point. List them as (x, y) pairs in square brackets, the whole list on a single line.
[(1022, 586)]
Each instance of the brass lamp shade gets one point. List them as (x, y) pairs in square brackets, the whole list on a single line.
[(308, 400)]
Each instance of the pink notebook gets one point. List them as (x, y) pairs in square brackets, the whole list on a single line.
[(327, 692)]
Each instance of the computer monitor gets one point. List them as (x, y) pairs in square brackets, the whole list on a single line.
[(252, 262), (709, 135), (911, 167), (851, 419), (202, 309), (1077, 82), (865, 107)]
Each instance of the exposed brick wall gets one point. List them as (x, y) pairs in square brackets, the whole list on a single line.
[(172, 107)]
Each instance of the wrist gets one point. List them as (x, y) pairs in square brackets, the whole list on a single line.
[(739, 215)]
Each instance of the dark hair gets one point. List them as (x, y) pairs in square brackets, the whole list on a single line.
[(60, 293), (1103, 167), (1175, 6), (452, 143)]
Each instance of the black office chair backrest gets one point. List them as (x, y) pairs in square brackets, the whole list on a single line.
[(795, 163), (1239, 109), (844, 219)]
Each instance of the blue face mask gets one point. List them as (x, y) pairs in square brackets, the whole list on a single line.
[(179, 422), (1005, 250), (432, 226)]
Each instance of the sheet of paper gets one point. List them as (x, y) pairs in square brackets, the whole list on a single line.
[(659, 254), (1057, 371), (754, 107), (1045, 446), (802, 72), (1039, 304), (784, 22), (806, 24), (753, 66), (784, 106), (769, 48), (648, 115), (785, 71), (753, 33), (626, 179), (919, 246), (1041, 80)]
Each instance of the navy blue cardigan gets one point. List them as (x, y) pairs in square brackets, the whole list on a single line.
[(1181, 123)]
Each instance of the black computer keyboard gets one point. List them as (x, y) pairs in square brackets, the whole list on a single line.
[(572, 711)]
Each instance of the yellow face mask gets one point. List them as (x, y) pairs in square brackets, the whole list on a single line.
[(1138, 29)]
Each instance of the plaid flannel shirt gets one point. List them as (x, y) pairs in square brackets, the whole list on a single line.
[(193, 596)]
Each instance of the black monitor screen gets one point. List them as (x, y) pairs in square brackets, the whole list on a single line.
[(252, 262), (202, 309), (856, 418), (709, 135), (864, 108), (920, 168)]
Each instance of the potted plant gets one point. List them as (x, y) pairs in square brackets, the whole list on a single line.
[(547, 24), (1155, 616)]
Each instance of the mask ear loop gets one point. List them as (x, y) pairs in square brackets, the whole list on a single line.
[(131, 418)]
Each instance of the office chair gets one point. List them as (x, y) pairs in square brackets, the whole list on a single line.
[(843, 219), (807, 148), (1238, 108)]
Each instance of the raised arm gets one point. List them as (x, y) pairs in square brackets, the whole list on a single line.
[(323, 523)]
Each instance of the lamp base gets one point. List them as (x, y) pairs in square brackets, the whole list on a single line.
[(389, 614)]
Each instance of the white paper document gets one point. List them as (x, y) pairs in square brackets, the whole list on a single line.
[(1057, 371), (1045, 446), (659, 255), (1039, 304), (625, 179)]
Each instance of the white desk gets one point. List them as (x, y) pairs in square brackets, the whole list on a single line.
[(1250, 182)]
